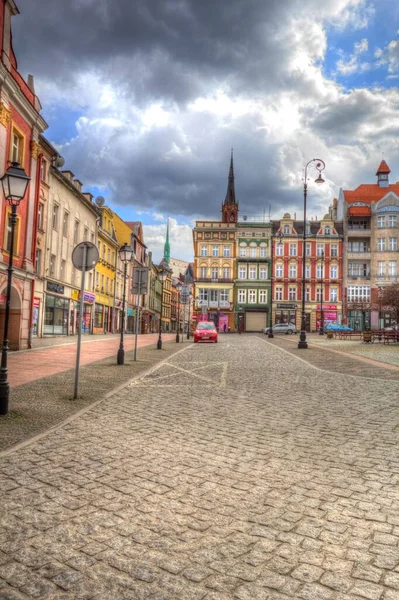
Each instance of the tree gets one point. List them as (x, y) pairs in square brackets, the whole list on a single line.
[(390, 300)]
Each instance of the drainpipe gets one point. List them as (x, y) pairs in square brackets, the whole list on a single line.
[(34, 245)]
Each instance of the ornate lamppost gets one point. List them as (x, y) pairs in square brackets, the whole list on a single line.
[(280, 245), (14, 182), (319, 165), (178, 287), (321, 331), (125, 255), (164, 270), (190, 296)]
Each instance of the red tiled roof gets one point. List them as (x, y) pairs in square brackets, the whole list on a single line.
[(360, 211), (369, 192), (383, 168)]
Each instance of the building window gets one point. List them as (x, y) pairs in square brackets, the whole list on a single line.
[(308, 249), (38, 262), (358, 247), (17, 147), (203, 294), (381, 222), (252, 252), (104, 251), (307, 271), (102, 283), (279, 249), (242, 273), (204, 251), (263, 252), (55, 216), (292, 271), (320, 250), (109, 255), (85, 233), (307, 294), (262, 296), (40, 216), (392, 268), (333, 272), (318, 294), (242, 295), (292, 249), (334, 249), (279, 293), (203, 272), (392, 220), (252, 296), (65, 224), (319, 271), (292, 293), (226, 251), (263, 273), (43, 171), (333, 295), (224, 295), (215, 250), (381, 244), (226, 273), (76, 232), (279, 270), (52, 265), (62, 270), (242, 252), (286, 229), (327, 230), (214, 272), (252, 272), (358, 293), (393, 243), (381, 268)]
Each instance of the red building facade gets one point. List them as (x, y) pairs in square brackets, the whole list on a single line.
[(20, 126), (323, 271)]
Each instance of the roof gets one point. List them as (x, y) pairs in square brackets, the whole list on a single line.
[(383, 168), (369, 192), (360, 211)]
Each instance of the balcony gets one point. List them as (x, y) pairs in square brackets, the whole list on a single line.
[(359, 255), (352, 277), (213, 280), (358, 232), (386, 278)]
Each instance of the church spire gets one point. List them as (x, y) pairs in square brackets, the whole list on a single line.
[(166, 248), (230, 205)]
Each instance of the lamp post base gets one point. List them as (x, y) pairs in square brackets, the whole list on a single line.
[(321, 332), (302, 341), (270, 334), (159, 345), (177, 338), (4, 397), (121, 357)]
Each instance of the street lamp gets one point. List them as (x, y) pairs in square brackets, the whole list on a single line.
[(125, 255), (178, 287), (14, 182), (280, 245), (163, 274), (380, 291), (319, 165), (189, 316), (321, 332)]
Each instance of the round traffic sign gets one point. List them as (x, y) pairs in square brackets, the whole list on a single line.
[(92, 256)]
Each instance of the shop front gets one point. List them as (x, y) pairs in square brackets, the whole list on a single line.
[(330, 315), (35, 316), (86, 323), (56, 310), (286, 313)]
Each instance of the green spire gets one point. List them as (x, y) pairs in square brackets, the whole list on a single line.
[(166, 248)]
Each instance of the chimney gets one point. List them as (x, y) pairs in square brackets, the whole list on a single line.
[(31, 84), (88, 196), (68, 174), (78, 184)]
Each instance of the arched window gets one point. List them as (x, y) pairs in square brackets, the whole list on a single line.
[(286, 229)]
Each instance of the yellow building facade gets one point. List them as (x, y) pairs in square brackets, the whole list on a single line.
[(104, 310)]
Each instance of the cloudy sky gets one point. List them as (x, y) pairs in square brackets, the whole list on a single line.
[(145, 98)]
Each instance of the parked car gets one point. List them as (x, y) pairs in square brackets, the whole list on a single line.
[(288, 328), (205, 332)]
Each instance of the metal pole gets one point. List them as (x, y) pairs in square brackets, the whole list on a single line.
[(188, 320), (184, 321), (159, 345), (121, 352), (178, 318), (321, 332), (302, 340), (4, 385), (138, 314), (81, 308), (271, 334)]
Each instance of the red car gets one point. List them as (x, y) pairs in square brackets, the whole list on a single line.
[(205, 332)]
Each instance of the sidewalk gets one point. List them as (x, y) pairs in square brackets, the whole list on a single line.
[(55, 355)]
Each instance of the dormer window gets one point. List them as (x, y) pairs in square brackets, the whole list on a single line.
[(327, 230), (286, 229)]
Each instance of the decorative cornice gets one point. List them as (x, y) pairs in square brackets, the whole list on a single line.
[(5, 115)]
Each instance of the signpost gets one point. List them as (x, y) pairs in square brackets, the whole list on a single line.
[(140, 286), (84, 257)]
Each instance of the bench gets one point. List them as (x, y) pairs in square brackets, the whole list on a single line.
[(348, 335), (391, 336)]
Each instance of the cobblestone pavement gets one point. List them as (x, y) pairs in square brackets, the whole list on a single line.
[(232, 471)]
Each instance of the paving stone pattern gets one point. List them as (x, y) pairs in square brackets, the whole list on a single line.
[(234, 471)]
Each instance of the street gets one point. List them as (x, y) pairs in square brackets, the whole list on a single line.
[(229, 471)]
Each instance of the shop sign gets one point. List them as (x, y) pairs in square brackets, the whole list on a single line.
[(292, 306), (55, 287), (36, 301), (88, 297), (118, 303), (75, 294), (327, 307), (130, 312)]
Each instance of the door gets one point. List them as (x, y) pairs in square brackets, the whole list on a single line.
[(255, 321)]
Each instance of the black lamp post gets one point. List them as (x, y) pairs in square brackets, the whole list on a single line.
[(380, 307), (319, 165), (15, 182), (125, 254), (321, 332), (178, 287), (279, 244), (189, 315), (163, 273)]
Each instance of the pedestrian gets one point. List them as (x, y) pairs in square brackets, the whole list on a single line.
[(225, 327)]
